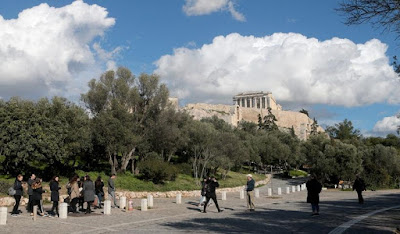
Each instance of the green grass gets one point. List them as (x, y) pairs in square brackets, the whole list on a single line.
[(298, 173)]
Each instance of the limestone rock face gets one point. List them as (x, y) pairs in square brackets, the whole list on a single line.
[(233, 114)]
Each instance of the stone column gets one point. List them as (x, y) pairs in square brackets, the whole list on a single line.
[(150, 200), (3, 215), (143, 205), (279, 191), (269, 192), (298, 188), (107, 207), (293, 189), (223, 195), (287, 190), (241, 194), (257, 193), (122, 203), (178, 198), (35, 213), (63, 210)]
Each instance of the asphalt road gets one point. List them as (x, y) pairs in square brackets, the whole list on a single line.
[(340, 213)]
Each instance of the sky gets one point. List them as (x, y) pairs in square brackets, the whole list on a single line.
[(206, 51)]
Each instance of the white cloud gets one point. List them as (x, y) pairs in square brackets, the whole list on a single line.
[(46, 49), (205, 7), (386, 125), (295, 68)]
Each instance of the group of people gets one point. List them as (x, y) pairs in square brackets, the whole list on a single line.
[(80, 190)]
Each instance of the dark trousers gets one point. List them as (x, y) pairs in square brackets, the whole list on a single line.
[(214, 198), (315, 207), (55, 206), (100, 197), (360, 197), (39, 205), (30, 204), (88, 209), (17, 200), (73, 204)]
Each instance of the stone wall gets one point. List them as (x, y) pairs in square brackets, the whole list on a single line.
[(9, 201)]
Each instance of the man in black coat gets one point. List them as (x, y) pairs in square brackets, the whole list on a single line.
[(31, 180), (359, 186), (314, 189), (210, 187), (18, 194)]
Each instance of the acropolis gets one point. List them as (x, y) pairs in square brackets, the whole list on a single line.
[(248, 106)]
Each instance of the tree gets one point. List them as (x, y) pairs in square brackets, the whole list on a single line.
[(314, 127), (304, 111), (380, 13), (343, 131), (269, 120), (124, 108)]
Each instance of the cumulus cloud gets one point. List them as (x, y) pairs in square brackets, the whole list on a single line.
[(205, 7), (295, 68), (45, 49), (386, 125)]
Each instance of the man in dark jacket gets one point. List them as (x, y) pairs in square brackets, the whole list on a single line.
[(111, 191), (314, 189), (30, 192), (359, 186), (210, 187), (250, 192), (88, 193), (18, 194)]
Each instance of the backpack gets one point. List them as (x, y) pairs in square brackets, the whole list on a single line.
[(11, 191)]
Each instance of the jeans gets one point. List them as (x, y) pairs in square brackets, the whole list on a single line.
[(17, 200), (100, 198), (214, 198), (250, 199), (112, 198), (315, 207)]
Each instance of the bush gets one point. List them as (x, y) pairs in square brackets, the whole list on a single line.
[(157, 171), (184, 168), (297, 173)]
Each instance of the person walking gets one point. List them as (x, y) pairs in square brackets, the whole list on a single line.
[(88, 193), (359, 186), (55, 195), (31, 180), (203, 191), (99, 185), (111, 190), (18, 194), (314, 188), (81, 199), (210, 187), (75, 194), (37, 196), (250, 192)]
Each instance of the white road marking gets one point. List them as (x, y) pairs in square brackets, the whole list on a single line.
[(342, 228)]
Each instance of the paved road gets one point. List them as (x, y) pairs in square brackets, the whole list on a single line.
[(279, 214)]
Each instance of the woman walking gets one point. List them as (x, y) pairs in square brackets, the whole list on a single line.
[(55, 195), (74, 193), (18, 194), (88, 193), (314, 188), (99, 185), (37, 192)]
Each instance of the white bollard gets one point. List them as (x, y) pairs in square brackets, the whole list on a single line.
[(298, 188), (122, 202), (287, 190), (63, 210), (35, 213), (3, 215), (279, 191), (269, 192), (107, 207), (293, 189), (241, 194), (178, 198), (223, 196), (257, 193), (143, 205), (150, 200)]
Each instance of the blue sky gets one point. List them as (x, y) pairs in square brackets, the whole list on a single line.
[(143, 32)]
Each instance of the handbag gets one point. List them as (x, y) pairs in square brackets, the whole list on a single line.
[(11, 191)]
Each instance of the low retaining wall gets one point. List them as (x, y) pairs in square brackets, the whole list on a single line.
[(9, 201)]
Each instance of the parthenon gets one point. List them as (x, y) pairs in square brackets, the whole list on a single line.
[(258, 100)]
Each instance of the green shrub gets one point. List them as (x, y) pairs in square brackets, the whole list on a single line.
[(184, 168), (297, 173), (157, 171), (4, 186)]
